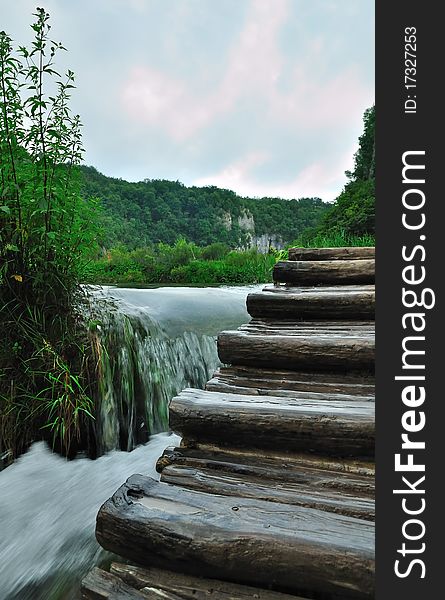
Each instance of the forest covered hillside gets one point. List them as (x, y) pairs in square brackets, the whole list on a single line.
[(140, 214)]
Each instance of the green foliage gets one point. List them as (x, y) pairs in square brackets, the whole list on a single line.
[(153, 211), (353, 212), (45, 229), (364, 158), (181, 263), (216, 251), (338, 239)]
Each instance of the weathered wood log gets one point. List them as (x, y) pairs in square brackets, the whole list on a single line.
[(230, 484), (343, 396), (324, 351), (331, 427), (301, 328), (263, 382), (313, 303), (191, 587), (293, 549), (307, 272), (345, 253), (350, 475), (100, 585)]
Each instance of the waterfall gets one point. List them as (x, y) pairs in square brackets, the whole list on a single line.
[(151, 344)]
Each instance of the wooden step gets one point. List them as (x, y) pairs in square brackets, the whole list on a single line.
[(345, 253), (100, 585), (293, 549), (230, 484), (131, 582), (343, 428), (347, 474), (189, 587), (299, 346), (327, 272), (302, 395), (313, 303), (265, 382)]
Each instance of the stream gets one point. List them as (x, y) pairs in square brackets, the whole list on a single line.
[(155, 342)]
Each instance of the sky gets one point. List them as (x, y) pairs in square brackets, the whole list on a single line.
[(264, 97)]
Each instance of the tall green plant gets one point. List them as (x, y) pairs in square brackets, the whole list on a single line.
[(45, 229)]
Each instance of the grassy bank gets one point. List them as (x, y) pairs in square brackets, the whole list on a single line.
[(182, 263), (185, 263)]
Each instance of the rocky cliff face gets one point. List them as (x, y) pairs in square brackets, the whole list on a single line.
[(266, 241), (246, 223)]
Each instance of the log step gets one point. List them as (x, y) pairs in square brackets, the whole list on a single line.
[(313, 303), (345, 253), (214, 482), (302, 328), (327, 272), (264, 382), (292, 549), (344, 428), (304, 394), (299, 347), (100, 585), (351, 475), (190, 588), (130, 582)]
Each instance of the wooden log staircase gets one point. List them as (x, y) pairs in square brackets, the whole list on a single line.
[(271, 493)]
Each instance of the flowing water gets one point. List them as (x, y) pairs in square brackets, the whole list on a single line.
[(154, 343)]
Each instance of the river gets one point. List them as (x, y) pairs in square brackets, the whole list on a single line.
[(156, 342)]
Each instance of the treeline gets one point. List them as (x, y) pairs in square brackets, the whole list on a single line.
[(140, 214)]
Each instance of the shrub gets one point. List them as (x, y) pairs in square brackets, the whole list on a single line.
[(45, 228)]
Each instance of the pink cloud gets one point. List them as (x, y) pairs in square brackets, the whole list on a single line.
[(318, 179), (152, 97)]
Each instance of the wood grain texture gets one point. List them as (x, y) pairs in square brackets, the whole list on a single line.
[(289, 548), (100, 585), (298, 349), (307, 272), (264, 382), (232, 484), (191, 587), (348, 474), (313, 303), (345, 253), (332, 427)]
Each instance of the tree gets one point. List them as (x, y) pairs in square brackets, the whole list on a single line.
[(353, 212), (364, 158)]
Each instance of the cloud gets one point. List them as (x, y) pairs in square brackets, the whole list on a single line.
[(149, 96), (317, 179), (263, 96)]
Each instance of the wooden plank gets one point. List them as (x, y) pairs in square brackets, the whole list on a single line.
[(231, 484), (348, 474), (191, 587), (325, 351), (345, 253), (343, 396), (263, 382), (313, 303), (307, 272), (100, 585), (306, 328), (298, 550), (331, 427)]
